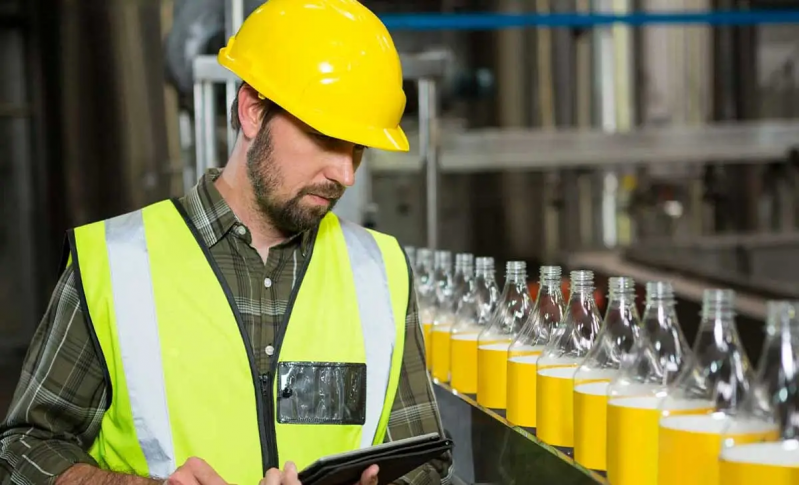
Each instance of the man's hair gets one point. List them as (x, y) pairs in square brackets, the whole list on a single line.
[(268, 108)]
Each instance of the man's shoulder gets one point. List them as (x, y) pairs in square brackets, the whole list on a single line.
[(125, 215)]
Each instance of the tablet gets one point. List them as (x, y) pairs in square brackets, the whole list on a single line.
[(395, 459)]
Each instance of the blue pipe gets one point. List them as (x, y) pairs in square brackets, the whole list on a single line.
[(493, 21)]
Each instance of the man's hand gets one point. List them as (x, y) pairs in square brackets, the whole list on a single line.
[(369, 476), (286, 477), (195, 472), (289, 476)]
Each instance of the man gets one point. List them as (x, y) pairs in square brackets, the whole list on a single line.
[(205, 340)]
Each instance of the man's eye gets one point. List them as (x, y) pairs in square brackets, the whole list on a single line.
[(322, 138)]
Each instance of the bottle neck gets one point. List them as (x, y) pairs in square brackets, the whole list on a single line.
[(467, 272), (549, 290), (516, 278), (621, 302), (485, 273)]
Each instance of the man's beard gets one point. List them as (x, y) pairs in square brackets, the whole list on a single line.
[(288, 216)]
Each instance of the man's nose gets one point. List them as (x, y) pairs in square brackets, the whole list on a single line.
[(342, 169)]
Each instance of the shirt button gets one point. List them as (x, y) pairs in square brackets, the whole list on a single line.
[(241, 230), (269, 350), (267, 282)]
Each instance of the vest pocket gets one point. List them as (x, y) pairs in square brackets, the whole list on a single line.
[(321, 393)]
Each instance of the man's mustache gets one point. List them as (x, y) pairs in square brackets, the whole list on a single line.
[(330, 191)]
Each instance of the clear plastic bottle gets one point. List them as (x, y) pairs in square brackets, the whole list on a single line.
[(492, 351), (571, 341), (473, 315), (410, 251), (614, 342), (773, 405), (464, 276), (445, 316), (713, 386), (424, 282), (443, 287), (524, 352), (656, 360)]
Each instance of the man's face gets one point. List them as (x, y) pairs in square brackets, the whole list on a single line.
[(297, 174)]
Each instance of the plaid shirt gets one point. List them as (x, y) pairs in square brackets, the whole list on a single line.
[(61, 397)]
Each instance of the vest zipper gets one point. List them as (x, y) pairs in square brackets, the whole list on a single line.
[(270, 443)]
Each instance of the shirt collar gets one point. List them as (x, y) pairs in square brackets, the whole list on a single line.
[(213, 217)]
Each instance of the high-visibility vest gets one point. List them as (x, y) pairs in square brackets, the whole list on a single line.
[(181, 367)]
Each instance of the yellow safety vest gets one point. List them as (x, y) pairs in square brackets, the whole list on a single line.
[(181, 367)]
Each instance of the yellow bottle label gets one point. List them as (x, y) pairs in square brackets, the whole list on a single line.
[(555, 405), (774, 463), (689, 447), (428, 343), (633, 432), (441, 352), (463, 363), (590, 425), (492, 373), (522, 386)]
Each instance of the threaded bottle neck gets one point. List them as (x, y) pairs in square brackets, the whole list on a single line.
[(582, 281), (443, 260), (516, 272), (718, 303), (424, 258), (484, 266), (464, 264), (782, 315), (621, 287), (659, 292), (550, 275)]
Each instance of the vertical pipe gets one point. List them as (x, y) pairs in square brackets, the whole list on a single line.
[(583, 71), (209, 130), (199, 133), (234, 17), (546, 86), (606, 103), (510, 75), (186, 144), (429, 153)]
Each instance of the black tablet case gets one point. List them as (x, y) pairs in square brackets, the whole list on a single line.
[(395, 459)]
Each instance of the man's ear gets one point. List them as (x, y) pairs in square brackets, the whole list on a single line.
[(251, 113)]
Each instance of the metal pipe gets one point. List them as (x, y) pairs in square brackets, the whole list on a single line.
[(209, 130), (199, 145), (429, 153), (234, 17), (606, 102)]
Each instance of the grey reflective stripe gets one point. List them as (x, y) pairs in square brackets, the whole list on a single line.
[(137, 331), (377, 320)]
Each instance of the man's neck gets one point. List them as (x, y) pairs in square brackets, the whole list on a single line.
[(234, 186)]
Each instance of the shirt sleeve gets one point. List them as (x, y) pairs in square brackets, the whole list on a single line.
[(415, 411), (60, 400)]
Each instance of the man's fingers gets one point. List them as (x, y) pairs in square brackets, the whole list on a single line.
[(203, 472), (272, 477), (290, 474), (181, 477), (369, 476)]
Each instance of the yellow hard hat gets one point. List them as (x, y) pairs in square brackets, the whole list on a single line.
[(330, 63)]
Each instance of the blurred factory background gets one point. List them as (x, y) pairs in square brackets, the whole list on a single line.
[(668, 149)]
